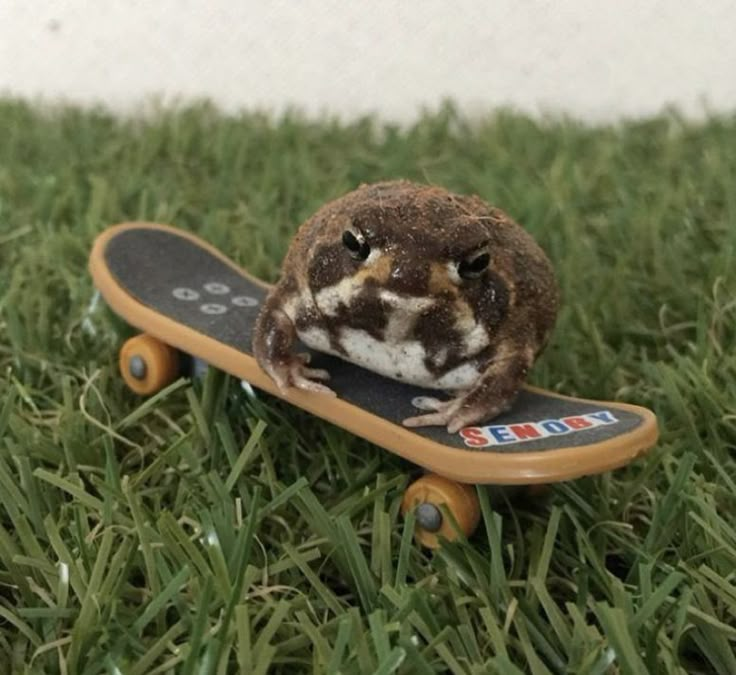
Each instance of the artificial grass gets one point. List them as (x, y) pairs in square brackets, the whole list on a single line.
[(206, 531)]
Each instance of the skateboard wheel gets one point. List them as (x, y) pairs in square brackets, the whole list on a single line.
[(147, 364), (428, 495)]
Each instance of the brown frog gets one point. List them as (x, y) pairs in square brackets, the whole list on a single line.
[(421, 285)]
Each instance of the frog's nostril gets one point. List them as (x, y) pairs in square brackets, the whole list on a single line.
[(406, 278)]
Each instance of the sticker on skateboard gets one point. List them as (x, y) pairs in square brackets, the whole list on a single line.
[(182, 292)]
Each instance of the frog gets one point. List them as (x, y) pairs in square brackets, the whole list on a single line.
[(433, 288)]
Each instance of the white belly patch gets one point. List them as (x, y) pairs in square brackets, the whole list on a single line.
[(403, 361), (396, 355)]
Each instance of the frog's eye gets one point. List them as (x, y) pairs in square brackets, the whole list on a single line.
[(473, 266), (356, 244)]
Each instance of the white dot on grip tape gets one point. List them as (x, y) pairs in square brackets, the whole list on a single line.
[(185, 294), (213, 308), (216, 288), (244, 301)]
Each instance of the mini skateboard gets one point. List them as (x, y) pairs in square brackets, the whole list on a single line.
[(186, 296)]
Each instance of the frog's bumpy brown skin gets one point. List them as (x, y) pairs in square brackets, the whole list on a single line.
[(476, 338)]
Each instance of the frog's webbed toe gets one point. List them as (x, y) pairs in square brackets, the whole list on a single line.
[(428, 403), (302, 377), (293, 372), (455, 414), (305, 379), (469, 415), (439, 415)]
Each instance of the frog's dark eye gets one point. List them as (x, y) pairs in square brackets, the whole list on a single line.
[(473, 266), (356, 244)]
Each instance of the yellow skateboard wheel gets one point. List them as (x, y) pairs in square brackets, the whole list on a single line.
[(147, 364), (428, 495)]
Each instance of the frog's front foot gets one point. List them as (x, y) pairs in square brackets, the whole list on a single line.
[(293, 372)]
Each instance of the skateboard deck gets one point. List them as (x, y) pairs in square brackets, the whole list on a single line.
[(179, 289)]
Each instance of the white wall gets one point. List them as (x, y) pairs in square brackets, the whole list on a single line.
[(598, 58)]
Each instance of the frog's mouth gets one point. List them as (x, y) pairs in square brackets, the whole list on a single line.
[(402, 313), (347, 295), (405, 303)]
